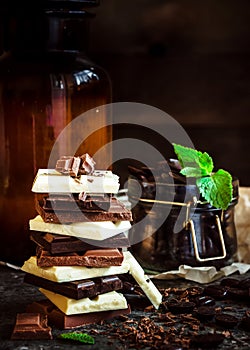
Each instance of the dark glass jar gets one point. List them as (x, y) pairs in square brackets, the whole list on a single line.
[(204, 236), (46, 80)]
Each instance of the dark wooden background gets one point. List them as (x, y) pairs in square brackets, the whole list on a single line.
[(191, 59)]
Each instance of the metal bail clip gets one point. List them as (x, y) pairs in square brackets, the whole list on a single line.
[(196, 251)]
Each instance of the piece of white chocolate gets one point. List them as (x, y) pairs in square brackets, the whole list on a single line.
[(72, 273), (97, 230), (103, 302), (144, 281), (52, 181)]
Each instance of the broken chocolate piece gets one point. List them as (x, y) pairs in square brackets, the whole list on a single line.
[(90, 258), (204, 300), (72, 202), (31, 326), (68, 165), (116, 212), (58, 319), (57, 244), (87, 164), (86, 288)]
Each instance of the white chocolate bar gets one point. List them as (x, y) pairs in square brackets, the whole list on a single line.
[(52, 181), (97, 230), (103, 302), (143, 280), (72, 273)]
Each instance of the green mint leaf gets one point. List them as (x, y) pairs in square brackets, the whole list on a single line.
[(217, 189), (78, 336), (191, 172), (191, 158)]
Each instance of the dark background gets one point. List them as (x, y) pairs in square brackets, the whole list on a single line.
[(190, 58)]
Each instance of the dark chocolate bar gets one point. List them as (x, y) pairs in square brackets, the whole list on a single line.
[(116, 212), (31, 325), (57, 244), (87, 288), (90, 258), (58, 319), (72, 202)]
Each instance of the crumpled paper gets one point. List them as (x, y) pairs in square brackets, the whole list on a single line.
[(204, 274)]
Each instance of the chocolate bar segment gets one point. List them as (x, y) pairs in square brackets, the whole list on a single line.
[(87, 164), (116, 212), (68, 165), (90, 258), (73, 203), (87, 288), (58, 319), (56, 244), (31, 326)]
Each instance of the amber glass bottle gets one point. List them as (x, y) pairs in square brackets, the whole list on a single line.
[(46, 80)]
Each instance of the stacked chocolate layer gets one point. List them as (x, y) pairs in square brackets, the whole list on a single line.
[(79, 232)]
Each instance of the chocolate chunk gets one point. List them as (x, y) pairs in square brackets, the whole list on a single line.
[(87, 164), (90, 258), (180, 307), (207, 341), (57, 244), (68, 165), (31, 326), (116, 212), (74, 203), (58, 319), (226, 320), (86, 288), (205, 313), (218, 292)]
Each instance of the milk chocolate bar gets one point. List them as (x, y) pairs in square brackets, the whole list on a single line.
[(68, 165), (58, 319), (90, 258), (56, 244), (117, 212), (87, 288), (74, 166), (52, 181), (103, 302), (71, 202), (31, 326)]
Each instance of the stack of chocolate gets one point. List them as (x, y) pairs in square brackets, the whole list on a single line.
[(81, 242)]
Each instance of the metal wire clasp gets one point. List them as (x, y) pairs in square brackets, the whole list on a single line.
[(196, 251)]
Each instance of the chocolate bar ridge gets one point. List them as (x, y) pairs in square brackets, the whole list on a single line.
[(90, 258), (117, 212), (57, 244), (87, 288)]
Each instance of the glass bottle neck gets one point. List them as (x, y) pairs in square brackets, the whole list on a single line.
[(47, 31)]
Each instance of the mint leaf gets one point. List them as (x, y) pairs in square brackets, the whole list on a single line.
[(217, 189), (191, 172), (191, 158)]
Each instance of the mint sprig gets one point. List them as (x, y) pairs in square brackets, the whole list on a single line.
[(215, 187), (78, 336)]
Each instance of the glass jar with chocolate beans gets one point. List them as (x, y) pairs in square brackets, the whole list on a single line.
[(193, 232), (46, 81)]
